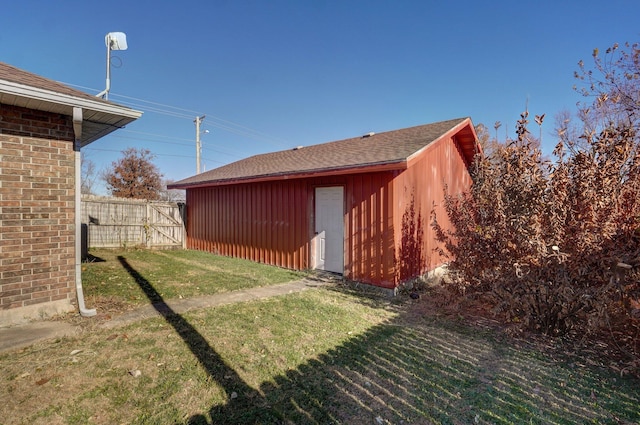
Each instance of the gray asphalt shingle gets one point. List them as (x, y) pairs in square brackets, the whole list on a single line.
[(381, 148)]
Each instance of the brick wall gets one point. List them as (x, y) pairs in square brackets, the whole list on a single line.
[(37, 236)]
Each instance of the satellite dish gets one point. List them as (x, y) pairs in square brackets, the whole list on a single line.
[(116, 41)]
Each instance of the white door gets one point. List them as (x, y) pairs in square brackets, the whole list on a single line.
[(330, 229)]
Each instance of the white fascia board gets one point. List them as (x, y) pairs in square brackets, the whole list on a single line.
[(29, 92)]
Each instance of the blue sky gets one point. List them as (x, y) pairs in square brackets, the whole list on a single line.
[(272, 75)]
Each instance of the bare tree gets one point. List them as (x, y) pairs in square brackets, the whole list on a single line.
[(489, 145), (88, 174), (613, 87), (172, 195)]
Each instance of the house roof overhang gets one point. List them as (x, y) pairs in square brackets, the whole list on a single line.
[(100, 117)]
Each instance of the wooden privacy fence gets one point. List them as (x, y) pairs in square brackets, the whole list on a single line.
[(117, 222)]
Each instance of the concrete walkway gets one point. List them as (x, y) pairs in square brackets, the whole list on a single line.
[(19, 336)]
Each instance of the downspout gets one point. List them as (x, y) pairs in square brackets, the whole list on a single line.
[(77, 130)]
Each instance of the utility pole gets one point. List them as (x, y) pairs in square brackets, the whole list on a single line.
[(198, 120)]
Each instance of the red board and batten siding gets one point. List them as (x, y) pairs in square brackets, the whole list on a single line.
[(369, 255), (265, 222), (441, 165), (273, 223)]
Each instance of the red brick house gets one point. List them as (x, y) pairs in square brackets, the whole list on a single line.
[(359, 207), (43, 124)]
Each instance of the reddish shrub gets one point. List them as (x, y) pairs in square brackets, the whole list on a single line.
[(553, 245)]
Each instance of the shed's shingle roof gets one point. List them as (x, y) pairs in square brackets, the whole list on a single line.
[(388, 148)]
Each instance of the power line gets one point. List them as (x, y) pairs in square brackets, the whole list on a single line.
[(249, 133), (187, 143), (159, 104), (147, 139), (144, 133), (208, 148), (156, 154), (187, 114)]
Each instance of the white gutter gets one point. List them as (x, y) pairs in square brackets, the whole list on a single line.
[(77, 129), (90, 102)]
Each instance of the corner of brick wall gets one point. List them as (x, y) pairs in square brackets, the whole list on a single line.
[(37, 239)]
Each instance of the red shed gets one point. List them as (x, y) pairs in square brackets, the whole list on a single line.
[(359, 207)]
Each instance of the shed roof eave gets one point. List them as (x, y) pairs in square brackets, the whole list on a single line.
[(463, 126), (388, 166)]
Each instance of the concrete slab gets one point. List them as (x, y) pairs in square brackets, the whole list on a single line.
[(16, 337)]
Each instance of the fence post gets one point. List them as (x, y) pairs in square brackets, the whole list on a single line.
[(147, 226)]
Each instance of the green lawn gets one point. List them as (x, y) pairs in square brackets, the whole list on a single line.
[(175, 274), (329, 355)]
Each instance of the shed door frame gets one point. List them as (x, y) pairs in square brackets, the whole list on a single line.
[(329, 229)]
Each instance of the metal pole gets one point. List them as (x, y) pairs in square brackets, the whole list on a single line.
[(198, 120), (105, 93)]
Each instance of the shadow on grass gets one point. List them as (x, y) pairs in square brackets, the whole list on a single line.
[(215, 366), (93, 259), (397, 373)]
